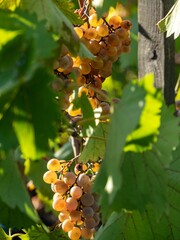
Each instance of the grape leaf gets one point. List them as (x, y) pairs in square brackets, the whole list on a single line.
[(123, 122), (3, 235), (33, 112), (56, 20), (9, 4), (171, 21), (38, 233), (95, 147), (13, 194)]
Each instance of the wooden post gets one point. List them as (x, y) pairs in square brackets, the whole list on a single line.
[(155, 51)]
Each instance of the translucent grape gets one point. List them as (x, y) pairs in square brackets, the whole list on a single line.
[(115, 21), (59, 204), (60, 186), (53, 164), (63, 215), (76, 192), (49, 177), (102, 30), (74, 234), (71, 204), (86, 233), (67, 225)]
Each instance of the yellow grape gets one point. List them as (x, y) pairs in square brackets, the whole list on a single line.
[(93, 20), (79, 31), (71, 204), (90, 33), (59, 204), (115, 21), (63, 215), (49, 177), (96, 167), (67, 225), (73, 112), (85, 68), (122, 33), (102, 30), (86, 233), (82, 90), (53, 164), (74, 234), (76, 192), (60, 186)]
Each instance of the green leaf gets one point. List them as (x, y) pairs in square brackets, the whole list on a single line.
[(95, 147), (13, 194), (169, 133), (123, 122), (171, 21), (39, 233), (56, 20), (35, 116), (3, 235)]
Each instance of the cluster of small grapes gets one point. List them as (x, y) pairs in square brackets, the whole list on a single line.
[(106, 38), (73, 198)]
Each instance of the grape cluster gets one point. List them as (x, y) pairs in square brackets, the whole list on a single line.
[(73, 199), (106, 38)]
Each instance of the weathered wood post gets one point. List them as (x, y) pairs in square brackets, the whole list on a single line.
[(155, 51)]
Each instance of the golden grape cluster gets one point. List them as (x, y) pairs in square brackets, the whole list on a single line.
[(106, 38), (73, 198)]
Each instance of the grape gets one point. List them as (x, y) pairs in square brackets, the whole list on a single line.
[(71, 204), (73, 112), (105, 108), (85, 68), (96, 167), (64, 63), (126, 24), (111, 51), (87, 187), (95, 206), (90, 33), (79, 31), (57, 195), (121, 33), (49, 177), (97, 63), (94, 46), (86, 233), (93, 20), (74, 234), (60, 186), (89, 223), (75, 216), (76, 192), (69, 178), (87, 199), (53, 164), (82, 90), (63, 215), (113, 39), (115, 21), (102, 30), (83, 179), (93, 102), (67, 225), (87, 212), (96, 218), (59, 204)]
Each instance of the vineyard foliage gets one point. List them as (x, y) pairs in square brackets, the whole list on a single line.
[(139, 179)]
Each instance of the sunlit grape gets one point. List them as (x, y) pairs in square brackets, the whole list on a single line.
[(49, 177)]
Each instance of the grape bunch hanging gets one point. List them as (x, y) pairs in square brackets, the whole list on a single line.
[(106, 38), (77, 206)]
